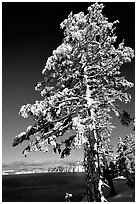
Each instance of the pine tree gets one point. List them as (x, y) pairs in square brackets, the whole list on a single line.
[(82, 82), (126, 158)]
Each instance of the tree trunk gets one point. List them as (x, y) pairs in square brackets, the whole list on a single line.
[(108, 177), (91, 169)]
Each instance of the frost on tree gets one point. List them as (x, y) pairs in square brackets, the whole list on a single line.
[(126, 158), (82, 83)]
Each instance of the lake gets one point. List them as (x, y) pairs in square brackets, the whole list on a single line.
[(43, 187)]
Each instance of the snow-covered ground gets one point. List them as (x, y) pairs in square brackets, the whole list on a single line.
[(123, 192), (119, 177)]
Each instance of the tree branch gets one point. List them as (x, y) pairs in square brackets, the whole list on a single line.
[(49, 134)]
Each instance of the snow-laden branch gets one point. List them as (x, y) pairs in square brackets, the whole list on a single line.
[(31, 130), (36, 145)]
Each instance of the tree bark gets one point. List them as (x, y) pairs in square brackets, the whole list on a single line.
[(91, 169), (107, 176)]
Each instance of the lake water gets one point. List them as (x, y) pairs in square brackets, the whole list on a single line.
[(43, 187)]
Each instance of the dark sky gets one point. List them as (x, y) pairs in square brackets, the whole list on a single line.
[(30, 32)]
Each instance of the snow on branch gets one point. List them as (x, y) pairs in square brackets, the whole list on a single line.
[(82, 80)]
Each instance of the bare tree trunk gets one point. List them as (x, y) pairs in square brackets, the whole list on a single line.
[(91, 169)]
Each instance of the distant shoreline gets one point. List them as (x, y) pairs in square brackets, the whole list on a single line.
[(26, 173)]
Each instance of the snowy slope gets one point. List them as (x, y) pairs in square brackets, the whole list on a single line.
[(123, 192)]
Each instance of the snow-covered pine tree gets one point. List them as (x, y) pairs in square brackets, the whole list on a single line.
[(126, 158), (82, 82)]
